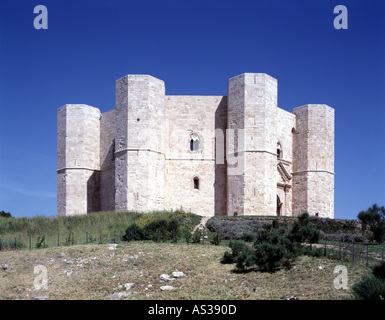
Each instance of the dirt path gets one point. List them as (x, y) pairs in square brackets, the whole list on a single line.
[(202, 224)]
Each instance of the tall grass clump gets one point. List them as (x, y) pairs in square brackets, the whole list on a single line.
[(28, 226), (93, 224)]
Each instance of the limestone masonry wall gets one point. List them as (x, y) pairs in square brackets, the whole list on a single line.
[(213, 155), (199, 117)]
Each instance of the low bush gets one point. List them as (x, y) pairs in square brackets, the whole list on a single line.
[(303, 230), (133, 232), (241, 253), (275, 245), (312, 252), (328, 225), (197, 235), (248, 236), (162, 226), (379, 271), (158, 230), (369, 288), (274, 248), (373, 219), (233, 229)]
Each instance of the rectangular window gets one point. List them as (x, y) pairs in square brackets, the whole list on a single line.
[(196, 183)]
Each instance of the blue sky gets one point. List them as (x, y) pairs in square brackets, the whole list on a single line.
[(195, 47)]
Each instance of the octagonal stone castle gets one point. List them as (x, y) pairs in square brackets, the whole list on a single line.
[(214, 155)]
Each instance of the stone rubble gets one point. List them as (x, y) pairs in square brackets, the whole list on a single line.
[(165, 277)]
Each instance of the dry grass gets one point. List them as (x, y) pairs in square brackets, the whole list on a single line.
[(98, 272)]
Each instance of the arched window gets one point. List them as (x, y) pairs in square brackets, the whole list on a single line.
[(194, 145), (194, 141), (196, 183), (279, 151)]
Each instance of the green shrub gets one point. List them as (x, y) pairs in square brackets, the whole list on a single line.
[(197, 235), (369, 288), (303, 230), (156, 230), (379, 232), (248, 236), (162, 226), (374, 220), (40, 242), (162, 230), (241, 254), (275, 245), (312, 252), (216, 238), (379, 271), (227, 258), (133, 232), (271, 249), (5, 214), (328, 225)]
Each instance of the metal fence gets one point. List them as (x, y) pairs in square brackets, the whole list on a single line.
[(81, 238), (364, 253), (58, 240)]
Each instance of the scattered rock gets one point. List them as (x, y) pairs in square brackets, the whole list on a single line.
[(133, 257), (62, 254), (112, 246), (40, 298), (256, 289), (165, 277), (178, 274), (5, 267), (118, 295), (128, 286), (68, 261), (291, 298), (166, 288), (320, 268), (69, 273)]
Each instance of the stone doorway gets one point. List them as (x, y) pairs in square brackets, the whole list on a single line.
[(279, 206)]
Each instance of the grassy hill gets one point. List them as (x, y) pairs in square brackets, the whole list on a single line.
[(97, 272)]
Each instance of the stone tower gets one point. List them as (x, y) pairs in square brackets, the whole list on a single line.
[(214, 155), (78, 174), (139, 150), (252, 114), (313, 160)]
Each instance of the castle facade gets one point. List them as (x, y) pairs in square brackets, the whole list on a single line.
[(214, 155)]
